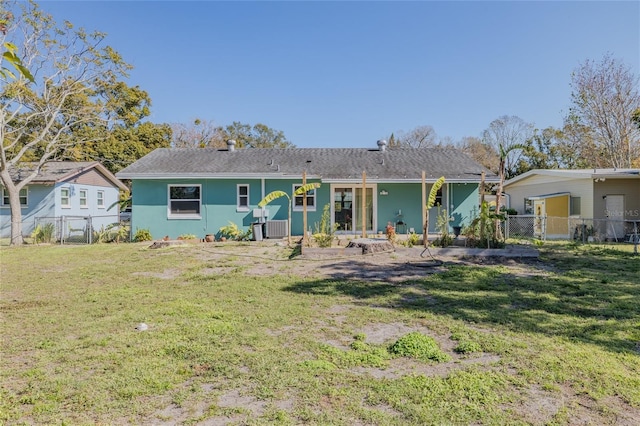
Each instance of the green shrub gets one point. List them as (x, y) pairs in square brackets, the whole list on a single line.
[(232, 232), (142, 235), (467, 346), (360, 336), (417, 345)]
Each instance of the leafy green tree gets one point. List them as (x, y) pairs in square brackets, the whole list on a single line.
[(71, 69), (10, 53), (256, 136)]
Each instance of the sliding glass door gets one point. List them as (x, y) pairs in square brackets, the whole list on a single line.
[(347, 209)]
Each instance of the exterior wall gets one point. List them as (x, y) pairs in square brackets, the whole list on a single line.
[(92, 177), (556, 209), (543, 185), (43, 201), (100, 216), (218, 208), (404, 198), (464, 200), (40, 202), (278, 209), (630, 188), (150, 205)]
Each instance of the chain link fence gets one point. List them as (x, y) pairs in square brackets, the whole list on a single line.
[(572, 229), (72, 229)]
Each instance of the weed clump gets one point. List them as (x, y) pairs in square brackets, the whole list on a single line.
[(467, 347), (417, 345)]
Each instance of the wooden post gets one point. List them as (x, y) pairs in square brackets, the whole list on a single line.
[(425, 231), (304, 210), (481, 203), (364, 203)]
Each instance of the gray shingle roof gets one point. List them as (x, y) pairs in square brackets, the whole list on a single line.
[(401, 164), (58, 171)]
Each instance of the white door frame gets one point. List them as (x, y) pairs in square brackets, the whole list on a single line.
[(354, 186)]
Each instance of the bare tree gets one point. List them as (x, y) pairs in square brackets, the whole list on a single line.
[(504, 133), (420, 137), (198, 134), (508, 136), (37, 121), (605, 96), (481, 152)]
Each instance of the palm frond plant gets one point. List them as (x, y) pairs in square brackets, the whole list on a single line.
[(431, 201), (274, 195)]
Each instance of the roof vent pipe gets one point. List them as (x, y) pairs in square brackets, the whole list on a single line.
[(382, 145), (231, 145)]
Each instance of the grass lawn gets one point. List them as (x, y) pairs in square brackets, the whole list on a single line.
[(242, 334)]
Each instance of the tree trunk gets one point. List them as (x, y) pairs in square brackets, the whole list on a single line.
[(497, 225), (13, 191), (425, 229)]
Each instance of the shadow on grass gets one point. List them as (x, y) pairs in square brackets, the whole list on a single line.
[(592, 299)]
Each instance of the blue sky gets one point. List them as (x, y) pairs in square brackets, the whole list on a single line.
[(345, 74)]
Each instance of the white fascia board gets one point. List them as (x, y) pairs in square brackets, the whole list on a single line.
[(152, 176), (428, 180)]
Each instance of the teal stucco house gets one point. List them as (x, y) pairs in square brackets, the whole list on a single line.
[(198, 191)]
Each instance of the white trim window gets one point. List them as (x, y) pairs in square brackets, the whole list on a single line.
[(83, 195), (100, 199), (65, 198), (184, 201), (297, 199), (242, 204), (24, 200)]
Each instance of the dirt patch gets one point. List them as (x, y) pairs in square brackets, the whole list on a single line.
[(402, 265)]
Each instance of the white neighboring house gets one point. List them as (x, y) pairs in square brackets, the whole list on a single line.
[(609, 196), (63, 188)]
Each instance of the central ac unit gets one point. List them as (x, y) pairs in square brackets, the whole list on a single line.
[(276, 229)]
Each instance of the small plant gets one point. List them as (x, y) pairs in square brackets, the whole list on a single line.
[(120, 232), (360, 337), (142, 235), (390, 232), (324, 234), (187, 237), (413, 239), (232, 232), (417, 345), (481, 232), (442, 224), (467, 346), (43, 234)]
